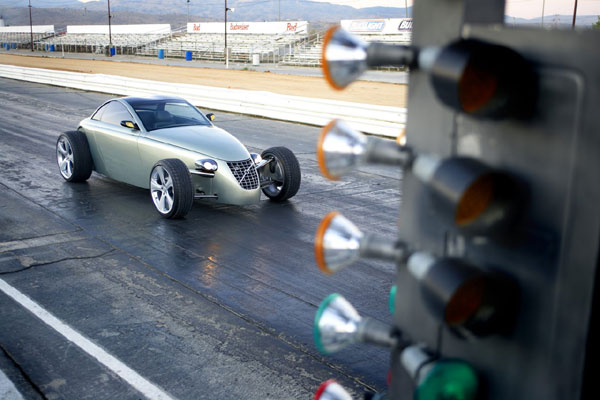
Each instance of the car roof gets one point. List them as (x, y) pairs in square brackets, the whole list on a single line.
[(134, 99)]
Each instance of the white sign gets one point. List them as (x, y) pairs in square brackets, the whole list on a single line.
[(277, 28), (146, 29), (378, 26), (25, 29)]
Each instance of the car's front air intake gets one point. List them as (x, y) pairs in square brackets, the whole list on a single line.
[(245, 173)]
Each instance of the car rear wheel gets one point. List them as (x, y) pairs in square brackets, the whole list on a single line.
[(282, 174), (171, 188), (73, 156)]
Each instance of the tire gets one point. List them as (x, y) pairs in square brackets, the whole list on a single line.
[(73, 156), (171, 188), (284, 170)]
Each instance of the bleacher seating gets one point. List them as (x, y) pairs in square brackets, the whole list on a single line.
[(210, 46), (93, 42), (21, 38)]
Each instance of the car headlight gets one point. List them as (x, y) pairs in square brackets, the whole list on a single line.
[(207, 165)]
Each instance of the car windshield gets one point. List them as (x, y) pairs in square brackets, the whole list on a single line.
[(167, 113)]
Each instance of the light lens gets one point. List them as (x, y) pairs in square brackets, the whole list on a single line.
[(207, 165), (392, 299), (337, 243), (336, 324), (448, 380), (331, 390), (465, 302), (340, 149), (344, 57), (475, 200)]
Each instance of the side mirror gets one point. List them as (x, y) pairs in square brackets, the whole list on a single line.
[(130, 125), (210, 116)]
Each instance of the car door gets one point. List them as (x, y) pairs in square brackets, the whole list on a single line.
[(118, 145)]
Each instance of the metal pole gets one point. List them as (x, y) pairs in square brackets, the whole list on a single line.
[(30, 25), (226, 53), (279, 10), (406, 7), (109, 29), (574, 14), (188, 9), (543, 6)]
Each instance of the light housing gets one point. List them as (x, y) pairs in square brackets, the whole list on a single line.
[(450, 379), (468, 194), (482, 79), (338, 325), (331, 390), (470, 301), (340, 149), (338, 243), (346, 57)]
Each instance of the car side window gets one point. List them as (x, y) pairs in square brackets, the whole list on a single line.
[(98, 114), (114, 112)]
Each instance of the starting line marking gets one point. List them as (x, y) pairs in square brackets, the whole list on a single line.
[(144, 386)]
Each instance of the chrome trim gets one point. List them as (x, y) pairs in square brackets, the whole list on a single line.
[(263, 162), (206, 196), (200, 173)]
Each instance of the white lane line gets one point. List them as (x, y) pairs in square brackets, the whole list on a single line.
[(144, 386), (40, 241)]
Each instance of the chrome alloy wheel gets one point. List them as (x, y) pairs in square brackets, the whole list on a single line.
[(64, 156), (161, 187), (274, 173)]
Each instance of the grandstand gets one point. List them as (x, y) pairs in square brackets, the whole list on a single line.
[(20, 36), (268, 41), (287, 43), (126, 39)]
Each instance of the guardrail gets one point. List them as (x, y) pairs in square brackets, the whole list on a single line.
[(379, 120)]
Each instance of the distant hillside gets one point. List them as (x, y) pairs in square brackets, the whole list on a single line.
[(73, 12), (175, 12)]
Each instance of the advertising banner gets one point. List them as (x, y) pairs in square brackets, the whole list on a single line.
[(378, 26), (25, 29), (275, 28), (147, 29)]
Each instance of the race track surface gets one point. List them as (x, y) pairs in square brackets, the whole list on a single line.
[(219, 305)]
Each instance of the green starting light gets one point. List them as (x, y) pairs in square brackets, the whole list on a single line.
[(392, 301), (447, 380)]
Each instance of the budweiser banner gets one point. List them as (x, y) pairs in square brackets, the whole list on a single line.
[(121, 29), (378, 26), (278, 28)]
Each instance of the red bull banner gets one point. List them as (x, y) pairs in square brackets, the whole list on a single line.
[(378, 26), (277, 28)]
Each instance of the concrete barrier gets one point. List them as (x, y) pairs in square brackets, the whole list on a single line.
[(379, 120)]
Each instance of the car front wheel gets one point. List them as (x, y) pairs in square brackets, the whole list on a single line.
[(280, 178), (171, 188), (73, 156)]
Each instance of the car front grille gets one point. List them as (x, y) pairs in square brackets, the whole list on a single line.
[(245, 173)]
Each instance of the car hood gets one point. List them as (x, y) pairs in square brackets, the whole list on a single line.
[(209, 140)]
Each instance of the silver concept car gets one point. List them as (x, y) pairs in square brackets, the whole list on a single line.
[(167, 145)]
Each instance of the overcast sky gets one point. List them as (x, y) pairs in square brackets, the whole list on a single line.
[(514, 8)]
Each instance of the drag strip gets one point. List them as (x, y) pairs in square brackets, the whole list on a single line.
[(217, 305)]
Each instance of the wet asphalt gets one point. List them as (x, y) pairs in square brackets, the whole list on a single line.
[(219, 305)]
